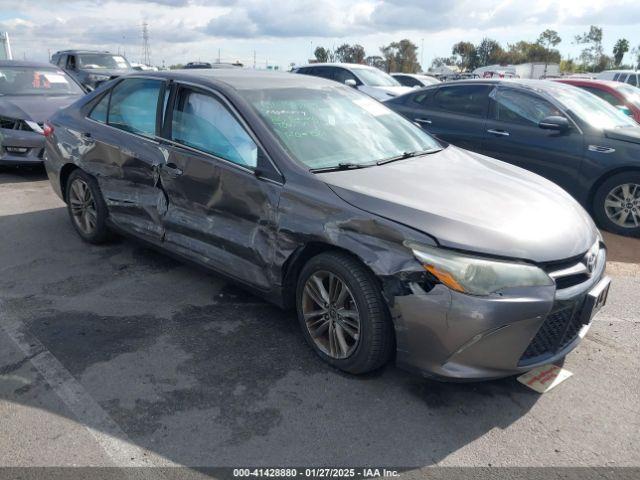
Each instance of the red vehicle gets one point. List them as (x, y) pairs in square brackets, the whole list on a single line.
[(620, 95)]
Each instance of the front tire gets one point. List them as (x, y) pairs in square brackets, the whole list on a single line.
[(342, 313), (87, 209), (616, 204)]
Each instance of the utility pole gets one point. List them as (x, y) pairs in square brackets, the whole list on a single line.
[(254, 59), (218, 55), (146, 49), (422, 55)]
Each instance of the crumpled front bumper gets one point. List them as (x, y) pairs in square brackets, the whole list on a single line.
[(13, 140), (450, 335)]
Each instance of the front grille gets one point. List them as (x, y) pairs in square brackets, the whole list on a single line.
[(560, 328)]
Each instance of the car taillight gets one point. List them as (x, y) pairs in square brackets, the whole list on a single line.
[(48, 129)]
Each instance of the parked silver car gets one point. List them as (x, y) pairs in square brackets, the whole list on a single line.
[(372, 81)]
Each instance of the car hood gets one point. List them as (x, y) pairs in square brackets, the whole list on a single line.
[(37, 108), (627, 134), (471, 202)]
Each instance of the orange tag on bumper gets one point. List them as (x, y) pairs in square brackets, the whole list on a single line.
[(544, 378)]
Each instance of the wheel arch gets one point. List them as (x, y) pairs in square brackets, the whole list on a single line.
[(293, 266), (603, 178), (65, 172)]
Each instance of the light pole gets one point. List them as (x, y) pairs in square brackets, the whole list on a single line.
[(422, 54)]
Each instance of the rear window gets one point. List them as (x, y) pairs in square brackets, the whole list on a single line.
[(36, 81)]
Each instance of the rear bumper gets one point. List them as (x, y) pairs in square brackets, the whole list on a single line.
[(19, 147), (453, 336)]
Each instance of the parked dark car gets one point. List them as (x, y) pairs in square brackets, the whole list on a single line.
[(30, 93), (90, 68), (563, 133), (320, 198), (622, 96)]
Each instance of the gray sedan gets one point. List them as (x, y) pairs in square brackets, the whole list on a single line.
[(29, 94), (386, 242)]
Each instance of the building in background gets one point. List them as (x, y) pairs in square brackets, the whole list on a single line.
[(535, 70), (5, 46)]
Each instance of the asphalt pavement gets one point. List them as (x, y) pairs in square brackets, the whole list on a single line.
[(117, 355)]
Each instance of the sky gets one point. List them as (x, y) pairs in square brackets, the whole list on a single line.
[(281, 32)]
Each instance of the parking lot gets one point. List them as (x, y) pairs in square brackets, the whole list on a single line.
[(118, 355)]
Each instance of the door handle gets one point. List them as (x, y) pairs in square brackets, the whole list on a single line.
[(501, 133), (172, 170), (426, 121)]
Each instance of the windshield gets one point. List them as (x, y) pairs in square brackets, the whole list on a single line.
[(102, 60), (36, 81), (328, 126), (631, 94), (589, 108), (373, 77)]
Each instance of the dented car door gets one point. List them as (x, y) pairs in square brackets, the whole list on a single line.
[(125, 156), (220, 213)]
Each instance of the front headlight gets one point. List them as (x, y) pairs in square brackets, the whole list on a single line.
[(477, 275)]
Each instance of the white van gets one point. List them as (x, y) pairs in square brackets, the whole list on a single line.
[(632, 77)]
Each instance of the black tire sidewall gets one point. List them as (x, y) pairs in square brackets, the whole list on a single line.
[(101, 232), (359, 361), (599, 198)]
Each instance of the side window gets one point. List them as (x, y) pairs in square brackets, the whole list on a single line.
[(422, 98), (616, 77), (133, 107), (200, 121), (341, 75), (99, 111), (304, 71), (409, 81), (71, 62), (464, 99), (606, 96), (324, 72), (622, 78), (632, 80), (512, 106)]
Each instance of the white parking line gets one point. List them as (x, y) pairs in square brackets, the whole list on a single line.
[(86, 410)]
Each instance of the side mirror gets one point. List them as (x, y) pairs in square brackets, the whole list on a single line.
[(350, 82), (624, 109), (554, 122)]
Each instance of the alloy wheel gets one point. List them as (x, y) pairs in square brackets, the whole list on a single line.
[(331, 314), (83, 206), (622, 205)]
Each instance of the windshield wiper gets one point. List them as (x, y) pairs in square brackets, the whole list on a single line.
[(341, 166), (406, 155)]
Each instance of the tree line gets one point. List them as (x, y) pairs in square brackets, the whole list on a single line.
[(402, 56), (399, 56)]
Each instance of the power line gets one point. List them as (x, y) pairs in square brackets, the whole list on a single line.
[(146, 48)]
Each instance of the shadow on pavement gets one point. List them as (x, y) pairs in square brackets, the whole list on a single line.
[(204, 373)]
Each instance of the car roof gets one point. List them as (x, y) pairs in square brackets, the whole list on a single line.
[(619, 71), (28, 64), (343, 65), (83, 51), (243, 79), (523, 83), (589, 81)]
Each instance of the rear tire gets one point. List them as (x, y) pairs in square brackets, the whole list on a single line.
[(86, 207), (354, 345), (616, 204)]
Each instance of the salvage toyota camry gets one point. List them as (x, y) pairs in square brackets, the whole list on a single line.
[(385, 241)]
